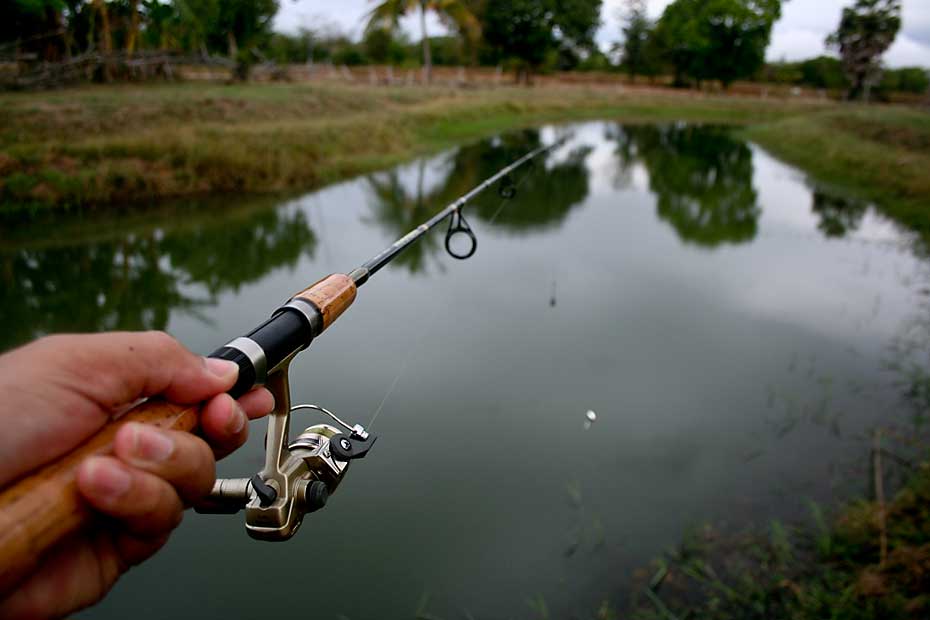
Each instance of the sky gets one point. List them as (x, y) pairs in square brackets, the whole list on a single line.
[(799, 34)]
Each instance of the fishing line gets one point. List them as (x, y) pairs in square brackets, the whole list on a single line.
[(403, 367), (507, 192), (516, 187)]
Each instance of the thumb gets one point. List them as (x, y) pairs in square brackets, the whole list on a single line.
[(59, 390), (115, 369)]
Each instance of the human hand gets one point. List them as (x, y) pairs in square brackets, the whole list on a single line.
[(60, 390)]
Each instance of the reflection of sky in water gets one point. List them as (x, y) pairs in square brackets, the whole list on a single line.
[(731, 357)]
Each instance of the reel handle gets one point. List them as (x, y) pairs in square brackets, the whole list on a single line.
[(42, 509)]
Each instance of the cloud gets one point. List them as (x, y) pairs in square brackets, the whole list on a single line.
[(907, 52), (795, 44)]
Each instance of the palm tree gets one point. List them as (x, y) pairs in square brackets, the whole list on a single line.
[(388, 13)]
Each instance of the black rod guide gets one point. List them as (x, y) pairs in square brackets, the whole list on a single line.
[(374, 264)]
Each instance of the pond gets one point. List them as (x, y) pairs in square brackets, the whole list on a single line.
[(735, 329)]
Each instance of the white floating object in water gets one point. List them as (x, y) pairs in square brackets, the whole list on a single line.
[(590, 417)]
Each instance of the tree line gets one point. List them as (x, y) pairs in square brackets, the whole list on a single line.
[(693, 41), (726, 40)]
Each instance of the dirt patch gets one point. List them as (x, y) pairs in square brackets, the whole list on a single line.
[(7, 164)]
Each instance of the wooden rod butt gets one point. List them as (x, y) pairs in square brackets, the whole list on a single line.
[(44, 508)]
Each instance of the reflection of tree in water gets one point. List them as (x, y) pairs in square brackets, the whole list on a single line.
[(547, 191), (838, 215), (701, 176), (224, 257), (116, 285), (134, 282), (398, 209), (544, 197)]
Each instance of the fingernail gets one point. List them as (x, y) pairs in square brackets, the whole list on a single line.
[(108, 479), (224, 369), (237, 419), (150, 444)]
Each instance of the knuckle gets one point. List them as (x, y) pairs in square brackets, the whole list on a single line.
[(197, 467), (161, 504), (163, 342)]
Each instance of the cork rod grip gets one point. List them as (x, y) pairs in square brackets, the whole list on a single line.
[(42, 509), (331, 296)]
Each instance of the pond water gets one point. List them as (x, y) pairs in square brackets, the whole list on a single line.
[(734, 328)]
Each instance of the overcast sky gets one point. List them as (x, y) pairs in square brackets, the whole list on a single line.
[(799, 34)]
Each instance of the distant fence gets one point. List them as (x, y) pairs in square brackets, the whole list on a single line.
[(27, 73), (24, 72)]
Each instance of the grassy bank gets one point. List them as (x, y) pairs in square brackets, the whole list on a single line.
[(138, 145), (869, 562), (881, 154), (132, 144)]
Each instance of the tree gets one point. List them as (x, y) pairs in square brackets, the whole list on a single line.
[(679, 39), (236, 27), (244, 24), (528, 31), (454, 12), (866, 31), (33, 26), (637, 29), (823, 72), (716, 39), (739, 31), (914, 80)]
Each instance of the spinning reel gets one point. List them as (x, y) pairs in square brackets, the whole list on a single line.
[(298, 476)]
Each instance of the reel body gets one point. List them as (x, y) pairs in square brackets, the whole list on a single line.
[(298, 476)]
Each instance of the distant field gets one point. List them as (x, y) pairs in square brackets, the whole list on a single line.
[(136, 145)]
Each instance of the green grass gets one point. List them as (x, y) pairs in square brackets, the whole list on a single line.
[(881, 154), (128, 145), (122, 146), (810, 571)]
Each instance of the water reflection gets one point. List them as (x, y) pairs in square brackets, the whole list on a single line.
[(701, 177), (839, 215), (546, 191), (397, 209), (135, 277), (131, 271), (119, 285)]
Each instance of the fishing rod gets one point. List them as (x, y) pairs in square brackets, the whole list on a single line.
[(44, 508)]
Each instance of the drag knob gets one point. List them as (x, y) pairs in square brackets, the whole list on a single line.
[(315, 496)]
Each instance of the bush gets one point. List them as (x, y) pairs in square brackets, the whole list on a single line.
[(906, 80)]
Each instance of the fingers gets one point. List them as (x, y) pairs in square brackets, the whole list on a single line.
[(257, 404), (224, 421), (118, 368), (60, 390), (182, 460), (145, 505)]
